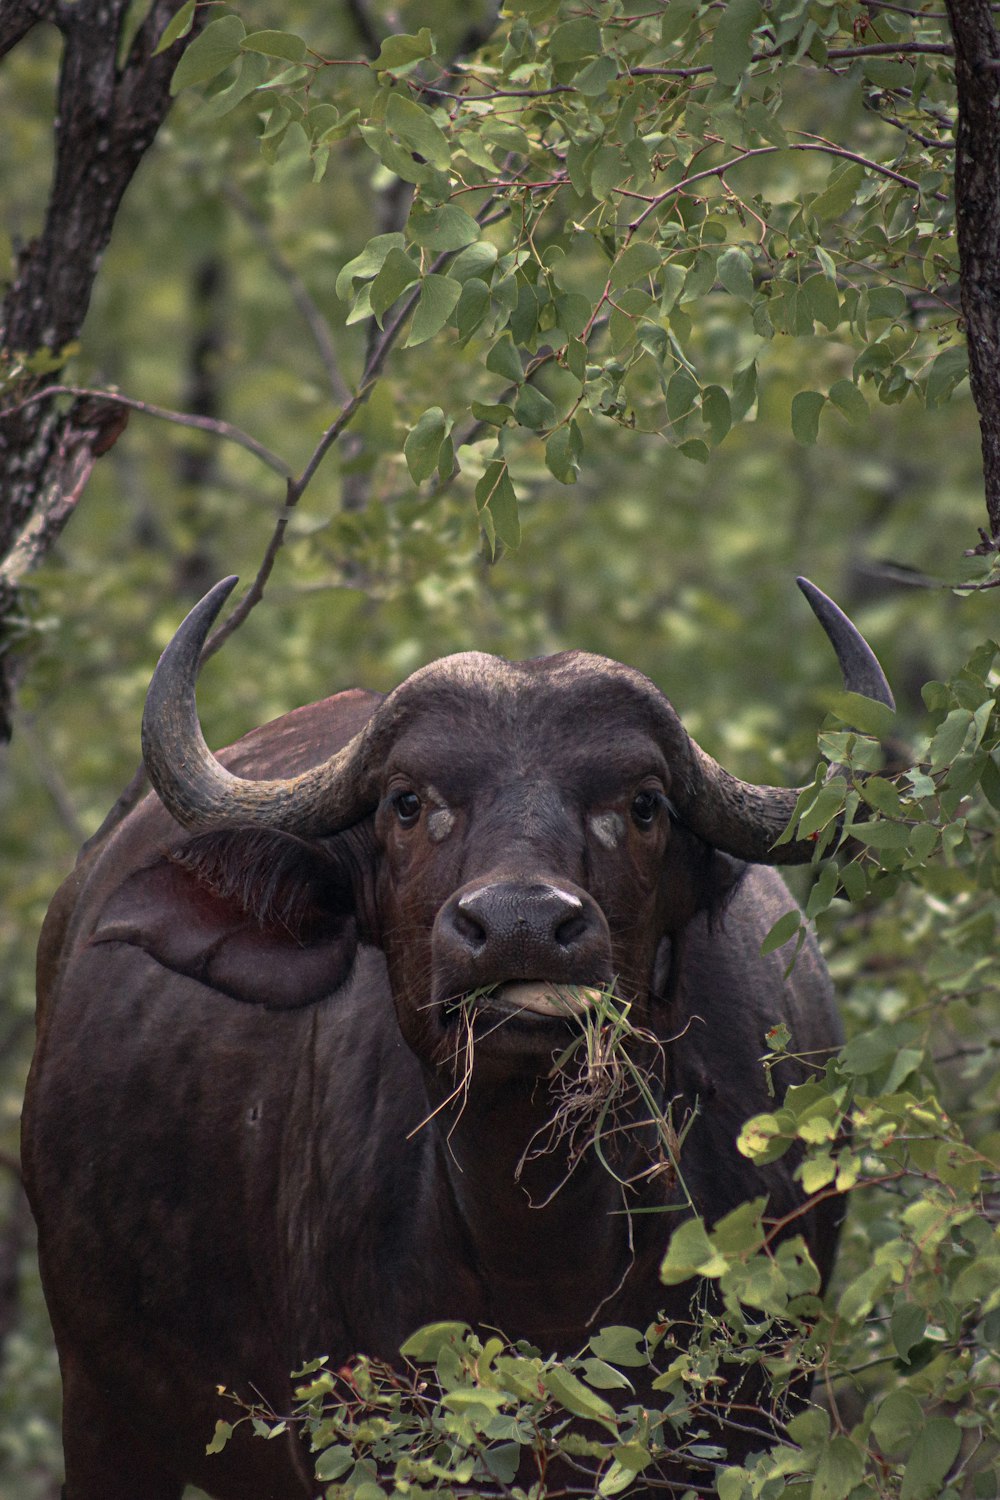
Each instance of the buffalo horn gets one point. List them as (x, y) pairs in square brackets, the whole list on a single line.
[(746, 820), (197, 790)]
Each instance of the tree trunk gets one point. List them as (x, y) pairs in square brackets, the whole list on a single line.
[(107, 117), (977, 215)]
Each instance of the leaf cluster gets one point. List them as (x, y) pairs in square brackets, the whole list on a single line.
[(617, 213)]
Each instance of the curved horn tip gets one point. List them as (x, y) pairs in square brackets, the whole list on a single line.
[(175, 672), (190, 635), (207, 608), (859, 665)]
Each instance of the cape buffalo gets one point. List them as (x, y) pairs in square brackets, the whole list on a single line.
[(297, 1020)]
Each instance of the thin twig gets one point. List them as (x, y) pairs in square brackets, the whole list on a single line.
[(214, 425), (654, 203), (299, 292), (52, 781)]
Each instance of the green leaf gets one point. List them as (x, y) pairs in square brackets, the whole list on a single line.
[(368, 264), (426, 1344), (949, 368), (617, 1477), (839, 194), (574, 40), (744, 392), (477, 260), (176, 28), (574, 313), (763, 1139), (472, 308), (847, 398), (740, 1230), (398, 271), (495, 496), (640, 259), (252, 73), (898, 1420), (276, 44), (731, 44), (605, 1377), (858, 1299), (733, 1483), (822, 300), (606, 171), (782, 932), (816, 1172), (716, 412), (503, 359), (438, 299), (691, 1253), (934, 1452), (400, 53), (865, 714), (423, 444), (676, 18), (907, 1326), (446, 227), (806, 407), (840, 1468), (735, 271), (823, 892), (469, 1397), (210, 54), (334, 1462), (881, 835), (563, 452), (534, 409), (417, 131), (223, 1432), (597, 77), (396, 157), (950, 737), (496, 413), (579, 1398), (882, 795), (620, 1345)]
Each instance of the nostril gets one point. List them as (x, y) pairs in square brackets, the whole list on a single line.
[(574, 927), (468, 926)]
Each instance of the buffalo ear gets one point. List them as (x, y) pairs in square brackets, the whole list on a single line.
[(260, 916)]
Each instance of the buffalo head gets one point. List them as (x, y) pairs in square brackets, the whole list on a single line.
[(516, 836)]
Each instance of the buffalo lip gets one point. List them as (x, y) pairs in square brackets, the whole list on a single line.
[(535, 1004), (543, 997)]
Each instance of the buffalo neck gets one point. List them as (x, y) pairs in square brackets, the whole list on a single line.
[(546, 1219)]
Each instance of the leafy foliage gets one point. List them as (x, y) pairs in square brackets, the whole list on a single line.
[(616, 209), (696, 261)]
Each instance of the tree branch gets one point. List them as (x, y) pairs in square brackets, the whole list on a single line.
[(727, 166), (18, 17), (215, 425)]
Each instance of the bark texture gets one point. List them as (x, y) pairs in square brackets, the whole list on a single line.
[(977, 213), (109, 111)]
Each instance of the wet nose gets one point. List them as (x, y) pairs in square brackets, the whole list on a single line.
[(510, 929)]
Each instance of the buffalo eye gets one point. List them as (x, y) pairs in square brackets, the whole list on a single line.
[(407, 808), (645, 806)]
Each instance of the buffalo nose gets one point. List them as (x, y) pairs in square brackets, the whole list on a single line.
[(511, 929), (539, 913)]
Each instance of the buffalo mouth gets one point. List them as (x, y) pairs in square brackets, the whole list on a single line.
[(523, 1009), (526, 998)]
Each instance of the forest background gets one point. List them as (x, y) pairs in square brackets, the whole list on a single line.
[(577, 325)]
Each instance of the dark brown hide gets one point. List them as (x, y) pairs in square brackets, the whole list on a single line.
[(240, 1034)]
